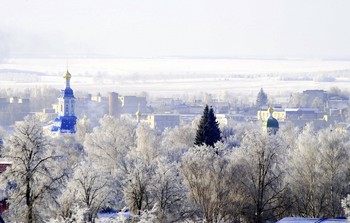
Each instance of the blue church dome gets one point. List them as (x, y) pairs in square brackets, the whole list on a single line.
[(272, 123), (67, 93)]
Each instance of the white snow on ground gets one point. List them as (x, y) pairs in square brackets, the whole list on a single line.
[(175, 76), (309, 220)]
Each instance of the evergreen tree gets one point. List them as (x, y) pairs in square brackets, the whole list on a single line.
[(214, 133), (201, 131), (208, 131), (261, 99)]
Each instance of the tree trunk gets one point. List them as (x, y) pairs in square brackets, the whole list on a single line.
[(29, 203)]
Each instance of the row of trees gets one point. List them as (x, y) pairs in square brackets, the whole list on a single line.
[(247, 176)]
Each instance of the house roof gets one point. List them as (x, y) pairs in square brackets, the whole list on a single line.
[(311, 220)]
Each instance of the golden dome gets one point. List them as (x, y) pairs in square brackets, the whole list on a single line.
[(270, 110), (67, 75)]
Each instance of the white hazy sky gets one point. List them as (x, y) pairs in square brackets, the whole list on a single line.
[(193, 28)]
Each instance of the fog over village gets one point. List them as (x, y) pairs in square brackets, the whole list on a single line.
[(174, 111)]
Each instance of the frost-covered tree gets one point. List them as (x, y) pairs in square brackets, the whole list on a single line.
[(317, 173), (73, 154), (135, 184), (304, 174), (148, 216), (176, 141), (71, 149), (260, 177), (289, 133), (135, 175), (208, 179), (334, 154), (35, 175), (345, 203), (151, 178), (107, 146), (109, 142), (83, 128), (92, 187), (86, 193), (168, 192), (147, 141), (68, 206)]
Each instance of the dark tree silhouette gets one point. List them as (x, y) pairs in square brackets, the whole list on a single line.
[(261, 99), (208, 131)]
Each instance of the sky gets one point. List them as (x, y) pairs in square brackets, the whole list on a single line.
[(259, 29)]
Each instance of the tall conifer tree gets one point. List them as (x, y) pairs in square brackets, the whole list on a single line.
[(208, 131), (261, 99)]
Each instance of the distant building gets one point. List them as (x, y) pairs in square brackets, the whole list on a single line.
[(131, 104), (98, 98), (13, 109), (303, 113), (47, 114), (118, 104), (298, 117), (315, 98), (66, 120), (278, 113), (284, 114), (160, 122), (113, 104), (189, 109), (337, 106), (337, 102)]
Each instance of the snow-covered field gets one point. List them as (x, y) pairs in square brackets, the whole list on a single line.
[(174, 76)]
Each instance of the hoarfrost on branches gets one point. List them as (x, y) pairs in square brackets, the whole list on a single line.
[(35, 174)]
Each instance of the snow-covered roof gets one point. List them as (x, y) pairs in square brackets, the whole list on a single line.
[(310, 220), (301, 109), (5, 161)]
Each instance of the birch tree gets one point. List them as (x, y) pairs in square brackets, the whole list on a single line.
[(83, 128), (109, 142), (92, 189), (207, 177), (135, 175), (260, 178), (35, 174), (176, 141), (317, 173), (168, 193), (334, 155), (147, 144)]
